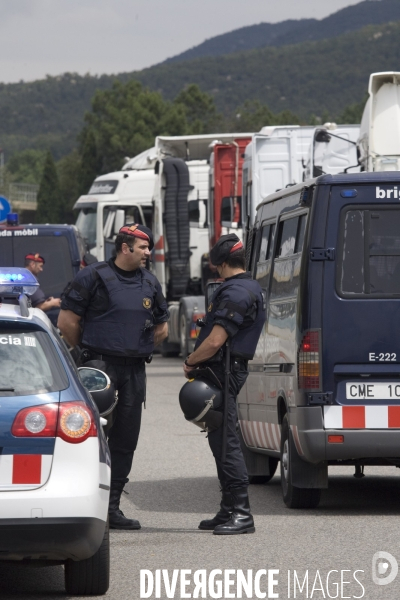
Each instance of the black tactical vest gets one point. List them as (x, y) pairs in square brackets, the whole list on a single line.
[(244, 342), (127, 325)]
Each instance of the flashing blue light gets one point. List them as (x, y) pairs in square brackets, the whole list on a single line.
[(12, 219), (348, 193), (15, 280), (11, 277)]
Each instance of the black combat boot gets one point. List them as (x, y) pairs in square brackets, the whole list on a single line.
[(241, 520), (116, 517), (222, 516)]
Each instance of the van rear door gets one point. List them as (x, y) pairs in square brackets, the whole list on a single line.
[(361, 302)]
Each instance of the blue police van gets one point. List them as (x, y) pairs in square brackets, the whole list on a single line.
[(324, 385), (62, 247)]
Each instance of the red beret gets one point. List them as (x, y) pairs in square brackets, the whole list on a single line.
[(35, 258), (139, 231)]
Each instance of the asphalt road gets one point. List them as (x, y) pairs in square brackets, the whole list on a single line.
[(173, 486)]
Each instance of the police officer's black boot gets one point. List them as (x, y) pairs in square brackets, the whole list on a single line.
[(222, 516), (241, 520), (116, 517)]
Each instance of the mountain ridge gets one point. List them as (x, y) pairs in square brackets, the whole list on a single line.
[(292, 31)]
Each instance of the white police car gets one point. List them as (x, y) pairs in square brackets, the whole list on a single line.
[(54, 458)]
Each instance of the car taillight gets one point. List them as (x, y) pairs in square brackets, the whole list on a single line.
[(308, 362), (72, 421), (36, 421), (76, 422)]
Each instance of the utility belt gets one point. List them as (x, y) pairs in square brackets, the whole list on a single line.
[(87, 355)]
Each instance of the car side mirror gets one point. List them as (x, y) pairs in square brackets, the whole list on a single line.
[(100, 387)]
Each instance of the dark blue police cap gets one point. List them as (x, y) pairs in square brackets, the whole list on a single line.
[(226, 245)]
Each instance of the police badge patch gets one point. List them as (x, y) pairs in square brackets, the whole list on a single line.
[(146, 302)]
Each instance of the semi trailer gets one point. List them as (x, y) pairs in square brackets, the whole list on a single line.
[(379, 140)]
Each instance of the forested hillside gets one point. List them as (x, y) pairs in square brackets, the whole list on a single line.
[(307, 78), (312, 78), (351, 18)]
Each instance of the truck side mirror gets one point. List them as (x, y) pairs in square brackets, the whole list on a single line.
[(227, 212)]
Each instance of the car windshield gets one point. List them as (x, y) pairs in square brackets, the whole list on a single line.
[(29, 363)]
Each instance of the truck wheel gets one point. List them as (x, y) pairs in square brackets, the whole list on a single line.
[(294, 497), (183, 327), (256, 463), (90, 577)]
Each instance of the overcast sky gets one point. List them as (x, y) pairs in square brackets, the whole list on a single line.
[(39, 37)]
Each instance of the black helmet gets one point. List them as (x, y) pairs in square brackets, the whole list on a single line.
[(199, 398)]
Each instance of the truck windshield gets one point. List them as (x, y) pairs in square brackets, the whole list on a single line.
[(86, 224), (369, 256)]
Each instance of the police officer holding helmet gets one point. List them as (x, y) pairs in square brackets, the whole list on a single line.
[(236, 314), (116, 311)]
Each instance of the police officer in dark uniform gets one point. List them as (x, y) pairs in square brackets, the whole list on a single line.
[(116, 311), (34, 263), (236, 312)]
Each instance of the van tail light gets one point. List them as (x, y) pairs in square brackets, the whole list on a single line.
[(308, 362), (72, 421)]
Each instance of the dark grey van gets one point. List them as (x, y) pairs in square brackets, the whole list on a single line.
[(324, 385)]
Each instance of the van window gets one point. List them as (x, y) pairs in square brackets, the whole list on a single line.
[(264, 249), (291, 236), (266, 242), (287, 263), (287, 237), (369, 252), (58, 269), (301, 228)]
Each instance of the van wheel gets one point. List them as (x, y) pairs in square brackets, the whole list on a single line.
[(256, 463), (90, 577), (294, 497)]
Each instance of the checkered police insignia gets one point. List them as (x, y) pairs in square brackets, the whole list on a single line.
[(209, 309), (146, 302)]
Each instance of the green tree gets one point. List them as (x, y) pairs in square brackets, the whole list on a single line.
[(49, 201), (26, 166), (201, 114), (126, 119), (253, 115), (68, 171), (353, 113), (90, 163)]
